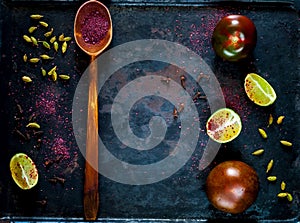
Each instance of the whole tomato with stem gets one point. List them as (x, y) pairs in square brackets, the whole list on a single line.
[(234, 37)]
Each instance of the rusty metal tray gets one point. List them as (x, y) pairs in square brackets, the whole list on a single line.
[(181, 196)]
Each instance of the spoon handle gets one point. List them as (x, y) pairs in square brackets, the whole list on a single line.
[(91, 193)]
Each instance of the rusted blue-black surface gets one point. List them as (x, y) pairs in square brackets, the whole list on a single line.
[(182, 196)]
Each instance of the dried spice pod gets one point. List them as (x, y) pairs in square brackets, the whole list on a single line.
[(66, 39), (36, 16), (61, 37), (46, 57), (46, 45), (280, 119), (64, 77), (258, 152), (270, 120), (49, 33), (25, 57), (270, 166), (271, 178), (54, 76), (289, 197), (34, 40), (50, 72), (262, 133), (286, 143), (33, 125), (64, 47), (55, 46), (282, 194), (43, 24), (26, 79), (53, 38), (44, 72), (34, 60), (282, 185), (27, 39), (32, 29)]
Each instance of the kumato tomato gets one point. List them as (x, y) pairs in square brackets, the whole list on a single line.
[(232, 186), (234, 37)]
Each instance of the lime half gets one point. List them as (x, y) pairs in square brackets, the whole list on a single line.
[(23, 171), (259, 90), (224, 125)]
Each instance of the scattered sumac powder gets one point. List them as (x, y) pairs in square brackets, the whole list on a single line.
[(94, 27)]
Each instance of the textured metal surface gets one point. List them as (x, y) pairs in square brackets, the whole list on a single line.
[(182, 196)]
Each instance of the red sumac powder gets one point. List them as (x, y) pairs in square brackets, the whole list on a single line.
[(94, 27)]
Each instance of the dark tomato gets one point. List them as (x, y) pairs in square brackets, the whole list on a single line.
[(234, 37), (232, 186)]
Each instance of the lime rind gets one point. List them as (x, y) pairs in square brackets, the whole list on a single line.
[(259, 90), (224, 125)]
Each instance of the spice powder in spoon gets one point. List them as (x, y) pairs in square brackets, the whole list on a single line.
[(94, 27)]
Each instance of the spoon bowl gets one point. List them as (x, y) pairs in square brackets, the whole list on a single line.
[(85, 10)]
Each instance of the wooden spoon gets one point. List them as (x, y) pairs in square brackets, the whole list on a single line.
[(91, 193)]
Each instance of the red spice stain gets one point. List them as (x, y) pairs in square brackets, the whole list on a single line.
[(201, 33), (47, 101), (60, 149), (94, 27)]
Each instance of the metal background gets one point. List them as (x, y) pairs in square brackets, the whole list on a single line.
[(182, 197)]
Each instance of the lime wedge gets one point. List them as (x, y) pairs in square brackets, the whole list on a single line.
[(224, 125), (259, 90), (23, 171)]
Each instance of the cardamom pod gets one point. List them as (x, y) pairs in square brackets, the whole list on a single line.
[(61, 37), (286, 143), (44, 24), (32, 29), (33, 125), (271, 119), (289, 197), (46, 45), (55, 46), (263, 133), (280, 119), (258, 152), (36, 16), (68, 38), (47, 34), (50, 72), (46, 57), (26, 79), (54, 76), (27, 38), (34, 60), (64, 47), (34, 41), (25, 57), (271, 178), (44, 72), (53, 38), (269, 166), (64, 77), (282, 185), (282, 194)]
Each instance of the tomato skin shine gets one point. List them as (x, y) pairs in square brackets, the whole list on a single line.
[(234, 37), (232, 186)]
